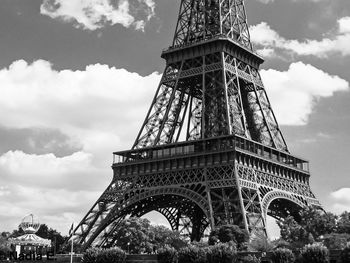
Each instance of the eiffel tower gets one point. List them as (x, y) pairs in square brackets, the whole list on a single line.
[(210, 151)]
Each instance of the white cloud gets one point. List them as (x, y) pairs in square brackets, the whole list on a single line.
[(344, 25), (54, 207), (341, 200), (82, 104), (94, 14), (100, 108), (263, 36), (294, 93), (48, 171)]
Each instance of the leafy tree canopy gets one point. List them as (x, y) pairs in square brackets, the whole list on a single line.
[(137, 235), (316, 225), (4, 248), (343, 223), (336, 240), (228, 233)]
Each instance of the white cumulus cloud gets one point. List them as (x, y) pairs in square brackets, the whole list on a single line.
[(294, 93), (265, 38), (101, 108), (341, 200), (94, 14)]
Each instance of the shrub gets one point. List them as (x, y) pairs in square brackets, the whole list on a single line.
[(336, 240), (222, 253), (315, 253), (4, 250), (227, 233), (90, 255), (192, 254), (345, 254), (115, 255), (98, 255), (199, 244), (167, 255), (260, 244), (213, 237), (280, 243), (282, 255), (249, 259)]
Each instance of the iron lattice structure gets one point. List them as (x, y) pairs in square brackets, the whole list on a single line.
[(210, 151)]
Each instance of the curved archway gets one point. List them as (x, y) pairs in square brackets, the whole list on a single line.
[(279, 204), (138, 203)]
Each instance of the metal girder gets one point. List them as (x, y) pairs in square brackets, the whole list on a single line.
[(200, 20), (210, 95)]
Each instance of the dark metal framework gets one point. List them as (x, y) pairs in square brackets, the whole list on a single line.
[(232, 166)]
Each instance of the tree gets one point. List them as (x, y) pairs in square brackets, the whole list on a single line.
[(227, 233), (336, 240), (134, 236), (17, 232), (293, 233), (56, 238), (261, 244), (163, 236), (317, 222), (313, 225), (4, 248), (5, 234), (343, 224)]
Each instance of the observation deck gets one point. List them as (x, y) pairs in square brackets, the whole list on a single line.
[(211, 45), (231, 144)]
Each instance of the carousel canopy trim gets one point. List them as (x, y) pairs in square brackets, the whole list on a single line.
[(30, 239)]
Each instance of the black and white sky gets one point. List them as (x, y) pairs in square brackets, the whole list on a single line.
[(77, 78)]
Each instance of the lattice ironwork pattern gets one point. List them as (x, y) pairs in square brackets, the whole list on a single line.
[(200, 20), (210, 151)]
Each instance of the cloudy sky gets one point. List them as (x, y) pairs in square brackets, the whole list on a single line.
[(77, 77)]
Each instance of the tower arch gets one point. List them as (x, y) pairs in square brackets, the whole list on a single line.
[(173, 202), (285, 204)]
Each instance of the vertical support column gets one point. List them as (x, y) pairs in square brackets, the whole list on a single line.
[(204, 108), (250, 201), (241, 199), (138, 142), (189, 119), (224, 83), (244, 121), (207, 190), (170, 104), (261, 109)]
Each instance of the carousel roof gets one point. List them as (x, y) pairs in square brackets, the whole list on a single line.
[(30, 225), (30, 239)]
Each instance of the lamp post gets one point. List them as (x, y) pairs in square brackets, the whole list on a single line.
[(71, 251)]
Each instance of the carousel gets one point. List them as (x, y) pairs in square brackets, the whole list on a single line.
[(30, 242)]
